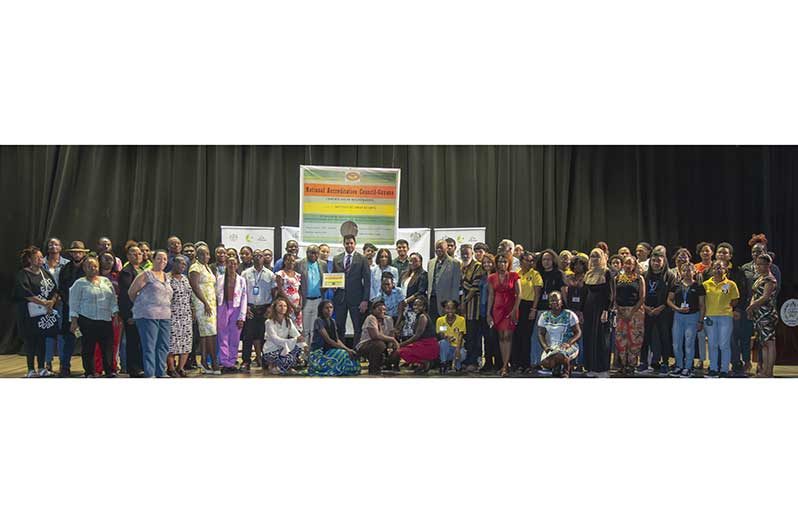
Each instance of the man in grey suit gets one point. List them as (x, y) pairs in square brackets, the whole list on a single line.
[(311, 273), (444, 279), (354, 297)]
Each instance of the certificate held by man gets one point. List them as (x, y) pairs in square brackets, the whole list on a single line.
[(333, 280)]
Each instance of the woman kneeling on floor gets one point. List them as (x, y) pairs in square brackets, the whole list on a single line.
[(422, 348), (283, 343), (558, 331), (329, 356)]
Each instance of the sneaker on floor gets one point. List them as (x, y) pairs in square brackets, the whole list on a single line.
[(686, 373), (711, 374), (644, 369), (216, 372), (676, 372), (244, 368), (45, 373), (663, 370), (723, 375), (32, 374)]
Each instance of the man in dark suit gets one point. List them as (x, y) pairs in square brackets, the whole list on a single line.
[(354, 297)]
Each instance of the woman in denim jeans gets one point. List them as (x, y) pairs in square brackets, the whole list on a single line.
[(151, 295), (686, 298), (722, 296)]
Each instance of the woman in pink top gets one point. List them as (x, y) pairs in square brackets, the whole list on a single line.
[(231, 297)]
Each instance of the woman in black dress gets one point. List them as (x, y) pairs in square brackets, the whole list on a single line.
[(36, 295), (576, 297), (598, 302)]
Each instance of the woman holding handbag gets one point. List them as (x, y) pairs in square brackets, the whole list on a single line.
[(35, 292)]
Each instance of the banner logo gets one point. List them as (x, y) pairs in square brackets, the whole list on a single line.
[(789, 313)]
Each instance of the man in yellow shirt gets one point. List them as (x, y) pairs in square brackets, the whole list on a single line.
[(450, 329), (722, 296), (531, 288)]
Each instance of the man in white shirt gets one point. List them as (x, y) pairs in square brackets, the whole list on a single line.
[(261, 288)]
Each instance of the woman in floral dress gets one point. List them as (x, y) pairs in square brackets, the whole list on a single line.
[(288, 285), (763, 311), (181, 337)]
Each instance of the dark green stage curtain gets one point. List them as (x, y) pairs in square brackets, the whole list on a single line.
[(541, 196)]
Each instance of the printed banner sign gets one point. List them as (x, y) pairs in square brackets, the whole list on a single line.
[(255, 237), (335, 201), (461, 235), (333, 280)]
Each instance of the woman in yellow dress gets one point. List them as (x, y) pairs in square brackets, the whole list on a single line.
[(203, 304)]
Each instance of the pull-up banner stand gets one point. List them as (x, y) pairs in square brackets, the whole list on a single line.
[(461, 235), (255, 237)]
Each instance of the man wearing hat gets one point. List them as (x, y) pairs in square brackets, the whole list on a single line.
[(70, 273)]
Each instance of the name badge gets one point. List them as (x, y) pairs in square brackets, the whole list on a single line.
[(442, 328), (685, 305), (545, 296), (576, 299), (725, 289), (255, 290)]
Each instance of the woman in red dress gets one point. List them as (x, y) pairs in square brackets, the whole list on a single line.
[(503, 301), (422, 348)]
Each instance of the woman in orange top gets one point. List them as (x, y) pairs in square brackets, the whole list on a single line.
[(705, 250)]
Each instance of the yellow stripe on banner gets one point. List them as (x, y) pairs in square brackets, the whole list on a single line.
[(349, 208)]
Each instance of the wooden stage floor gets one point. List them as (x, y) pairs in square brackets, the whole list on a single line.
[(14, 366)]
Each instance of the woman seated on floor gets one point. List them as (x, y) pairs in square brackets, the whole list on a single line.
[(283, 343), (329, 356), (558, 331)]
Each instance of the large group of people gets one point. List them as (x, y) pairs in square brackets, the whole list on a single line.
[(513, 312)]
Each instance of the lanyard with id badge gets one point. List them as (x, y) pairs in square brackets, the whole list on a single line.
[(256, 288), (685, 293)]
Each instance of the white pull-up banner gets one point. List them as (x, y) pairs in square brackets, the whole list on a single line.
[(461, 235), (255, 237)]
